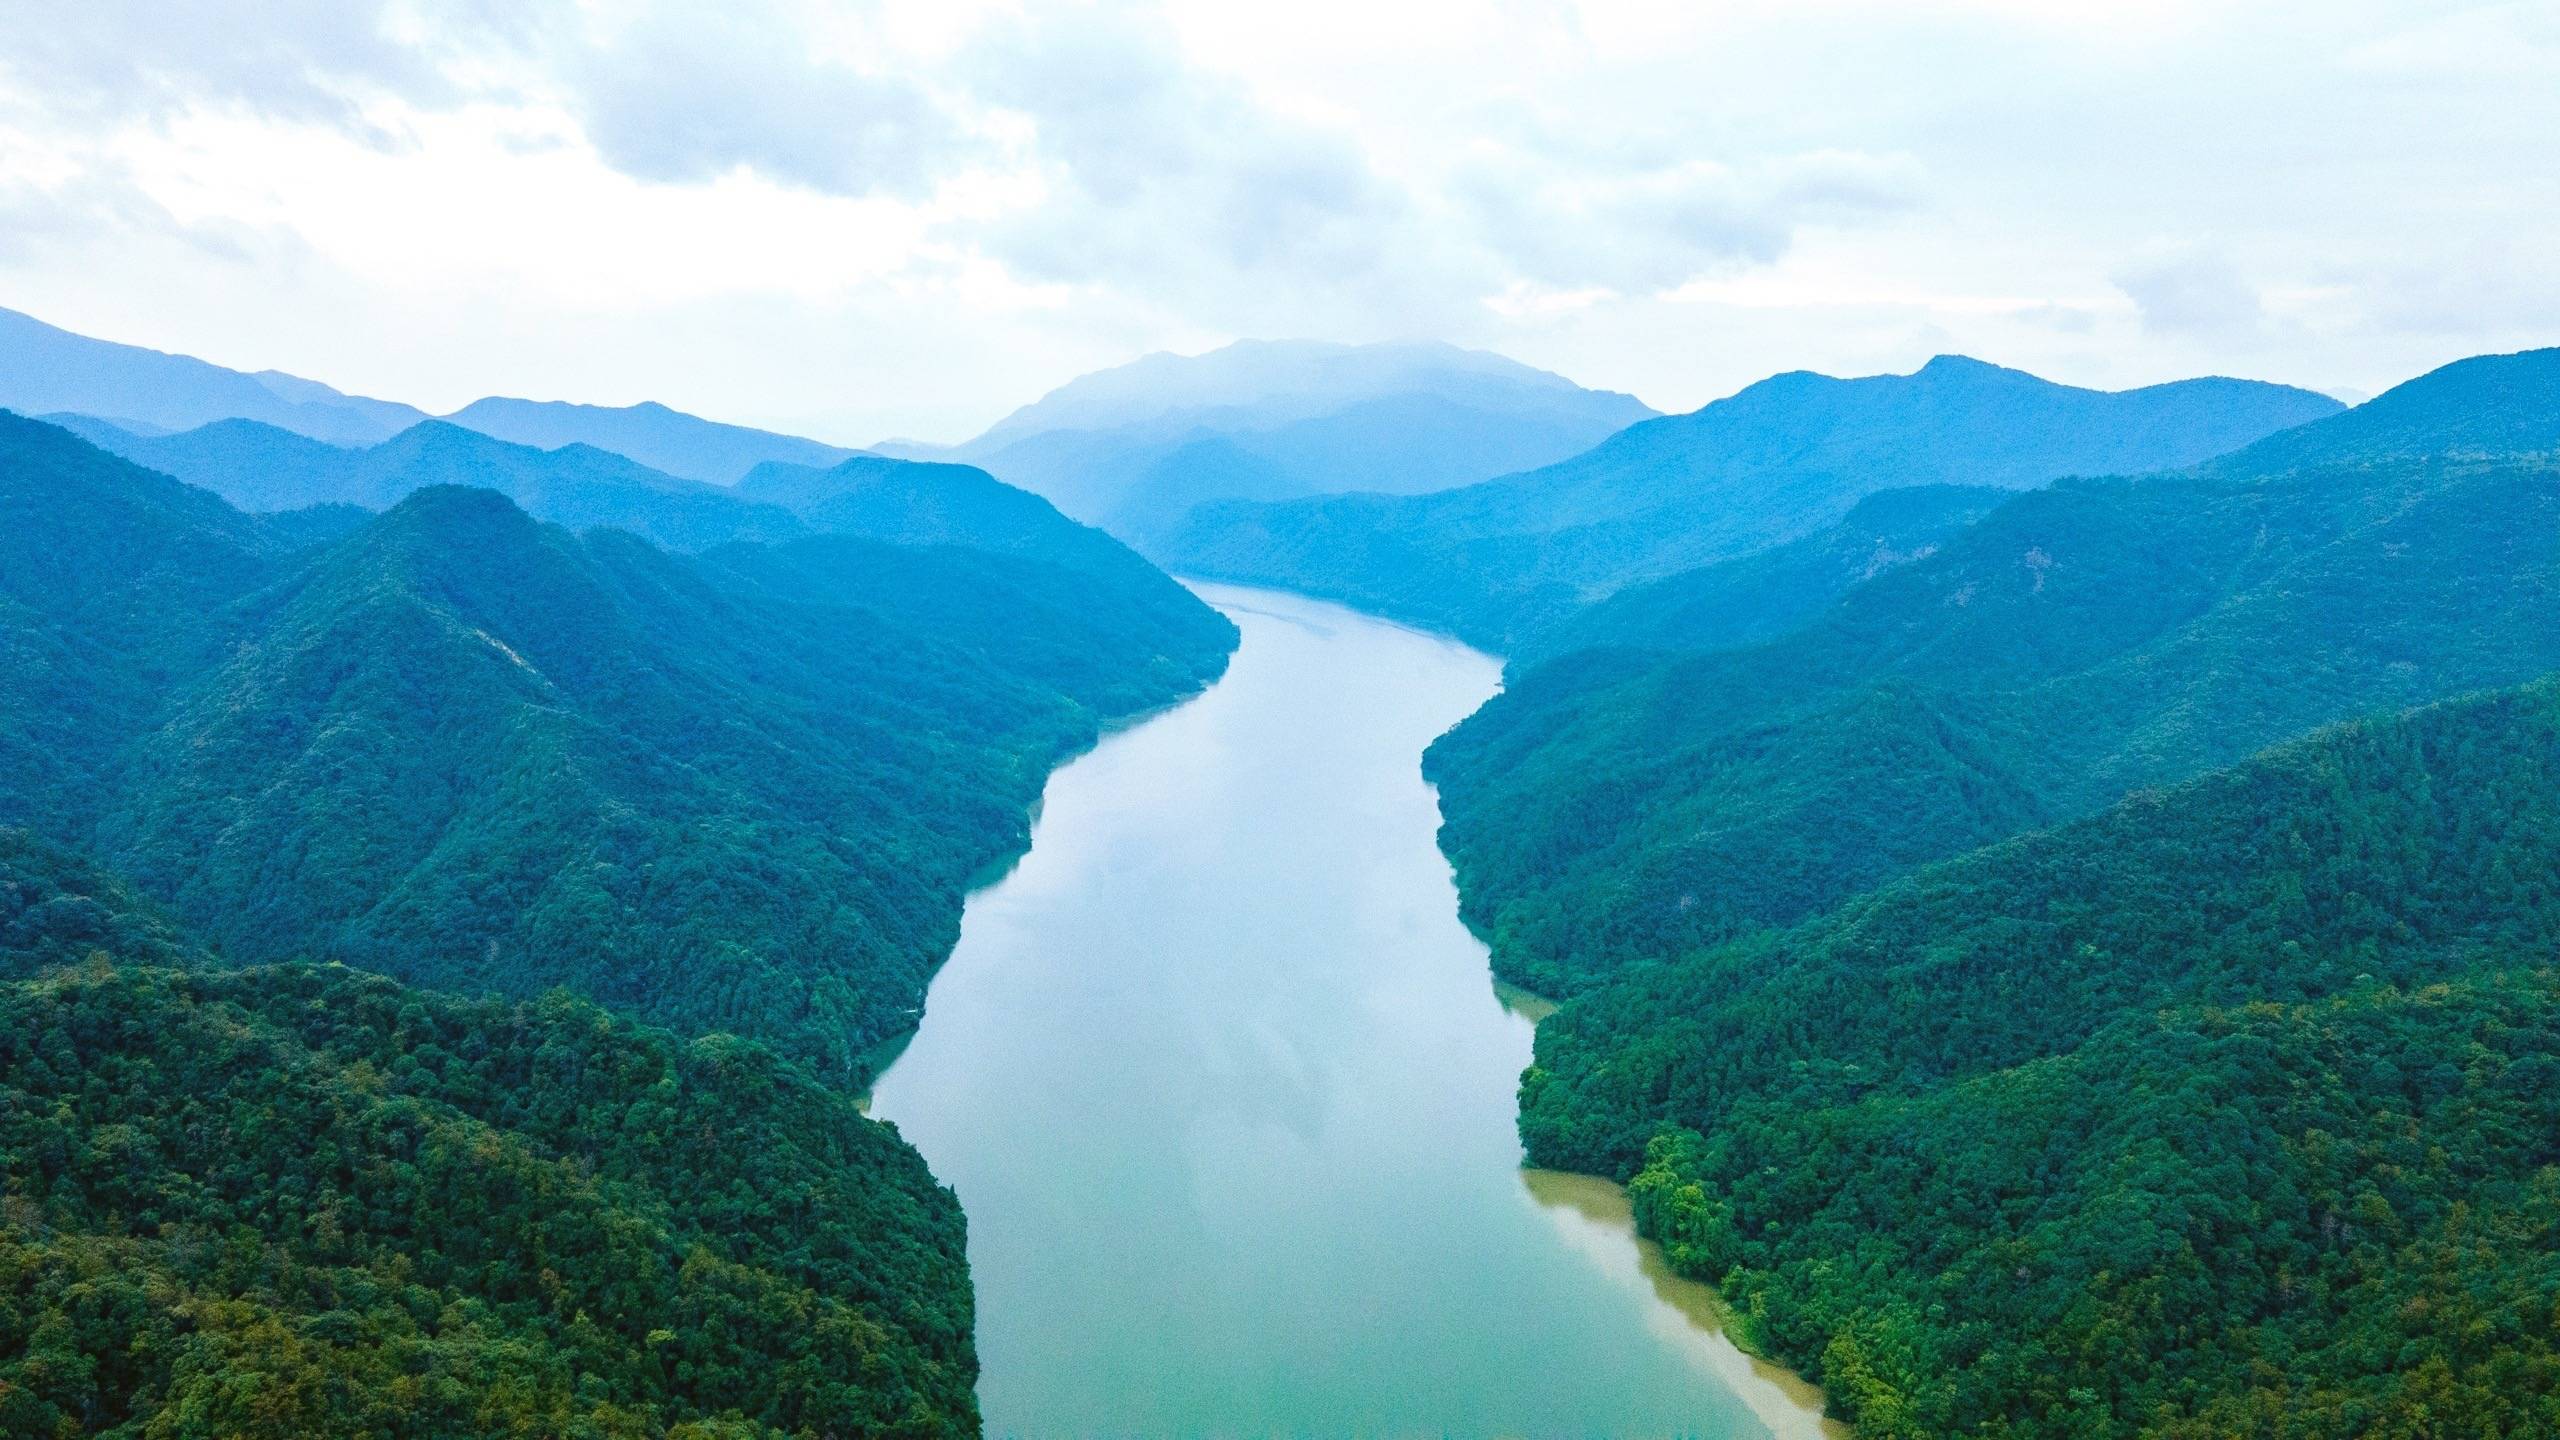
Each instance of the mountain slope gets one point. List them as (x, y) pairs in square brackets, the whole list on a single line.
[(43, 369), (2078, 643), (1762, 596), (743, 791), (2228, 1110), (311, 1201), (1495, 562), (1133, 448), (662, 439)]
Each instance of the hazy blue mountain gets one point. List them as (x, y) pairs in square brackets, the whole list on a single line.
[(1133, 447), (1791, 455), (916, 502), (662, 439), (2485, 405), (44, 370), (263, 468)]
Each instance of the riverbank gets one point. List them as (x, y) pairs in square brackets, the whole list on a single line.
[(1602, 1225)]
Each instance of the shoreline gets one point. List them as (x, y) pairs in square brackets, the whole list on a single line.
[(1793, 1407)]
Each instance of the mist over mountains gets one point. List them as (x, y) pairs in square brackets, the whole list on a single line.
[(1135, 447)]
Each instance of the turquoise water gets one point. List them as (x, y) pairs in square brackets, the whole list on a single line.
[(1227, 1094)]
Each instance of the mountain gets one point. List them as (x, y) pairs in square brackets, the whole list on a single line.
[(44, 370), (305, 1200), (1495, 562), (2078, 643), (1762, 596), (662, 439), (743, 791), (2227, 1110), (1134, 447), (915, 502), (262, 467)]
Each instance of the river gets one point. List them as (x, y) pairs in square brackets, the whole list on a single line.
[(1227, 1094)]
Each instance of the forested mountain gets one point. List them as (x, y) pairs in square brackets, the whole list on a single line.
[(309, 1201), (2076, 644), (1496, 562), (260, 467), (1135, 447), (1771, 592), (742, 791), (43, 370), (2233, 1109), (660, 438)]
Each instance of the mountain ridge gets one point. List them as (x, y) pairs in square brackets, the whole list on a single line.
[(1495, 561)]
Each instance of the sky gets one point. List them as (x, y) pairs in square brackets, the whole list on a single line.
[(860, 221)]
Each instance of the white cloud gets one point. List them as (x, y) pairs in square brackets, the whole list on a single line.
[(906, 216)]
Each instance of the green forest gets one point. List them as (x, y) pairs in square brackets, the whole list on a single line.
[(740, 791), (2231, 1110), (2019, 1054), (2076, 644), (648, 852)]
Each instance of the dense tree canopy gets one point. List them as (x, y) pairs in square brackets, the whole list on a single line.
[(2109, 1074), (2076, 644), (2232, 1110), (296, 1201), (742, 791)]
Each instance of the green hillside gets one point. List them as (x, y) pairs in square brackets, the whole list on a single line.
[(2078, 643), (1762, 596), (2230, 1110), (1497, 562), (291, 1201), (743, 791)]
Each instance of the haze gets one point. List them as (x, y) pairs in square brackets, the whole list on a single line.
[(905, 219)]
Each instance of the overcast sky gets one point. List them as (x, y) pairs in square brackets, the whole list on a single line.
[(860, 220)]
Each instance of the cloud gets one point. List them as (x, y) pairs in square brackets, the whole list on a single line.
[(1642, 231), (2199, 295), (1158, 175), (682, 94), (113, 61)]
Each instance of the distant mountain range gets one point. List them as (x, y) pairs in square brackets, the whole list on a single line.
[(45, 371), (1133, 448), (1788, 456), (267, 470), (660, 438)]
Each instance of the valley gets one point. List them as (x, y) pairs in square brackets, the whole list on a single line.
[(1226, 1092)]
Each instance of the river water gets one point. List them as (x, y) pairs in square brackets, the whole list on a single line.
[(1227, 1094)]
